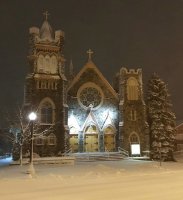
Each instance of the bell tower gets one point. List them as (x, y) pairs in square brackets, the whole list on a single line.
[(133, 128), (45, 87)]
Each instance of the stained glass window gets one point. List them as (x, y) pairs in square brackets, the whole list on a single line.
[(90, 96)]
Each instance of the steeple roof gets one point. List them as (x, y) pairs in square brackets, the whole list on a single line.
[(46, 32)]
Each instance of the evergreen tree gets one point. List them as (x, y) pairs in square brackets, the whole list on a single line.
[(161, 120)]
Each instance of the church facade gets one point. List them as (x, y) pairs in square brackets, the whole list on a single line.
[(83, 112)]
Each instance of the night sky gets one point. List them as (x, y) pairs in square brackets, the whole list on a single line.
[(145, 34)]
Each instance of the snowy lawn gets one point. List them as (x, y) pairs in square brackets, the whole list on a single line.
[(114, 180)]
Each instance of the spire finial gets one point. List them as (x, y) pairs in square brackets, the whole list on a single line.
[(89, 52), (46, 14)]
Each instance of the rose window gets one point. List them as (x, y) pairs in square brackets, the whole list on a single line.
[(90, 96)]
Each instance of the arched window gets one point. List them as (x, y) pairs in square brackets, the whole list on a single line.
[(133, 115), (51, 139), (73, 130), (47, 63), (132, 89), (91, 129), (46, 112), (53, 64), (40, 63), (109, 130), (134, 139)]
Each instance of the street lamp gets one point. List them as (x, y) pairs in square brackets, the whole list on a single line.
[(32, 118)]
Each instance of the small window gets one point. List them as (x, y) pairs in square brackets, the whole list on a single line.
[(51, 139), (39, 141), (133, 115), (134, 139)]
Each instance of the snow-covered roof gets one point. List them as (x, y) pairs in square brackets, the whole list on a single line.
[(91, 65)]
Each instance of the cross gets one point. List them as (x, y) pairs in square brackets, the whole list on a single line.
[(89, 52), (46, 14)]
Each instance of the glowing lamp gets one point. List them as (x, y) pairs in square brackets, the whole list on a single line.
[(32, 116)]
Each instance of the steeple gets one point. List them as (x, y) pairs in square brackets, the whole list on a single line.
[(46, 32)]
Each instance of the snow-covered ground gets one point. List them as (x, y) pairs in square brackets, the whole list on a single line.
[(102, 180)]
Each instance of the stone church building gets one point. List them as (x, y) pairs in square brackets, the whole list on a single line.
[(82, 112)]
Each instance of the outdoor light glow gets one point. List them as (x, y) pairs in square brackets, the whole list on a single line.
[(72, 122), (32, 116)]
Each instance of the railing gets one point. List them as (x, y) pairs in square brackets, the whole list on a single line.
[(68, 152), (108, 152), (55, 160), (123, 151)]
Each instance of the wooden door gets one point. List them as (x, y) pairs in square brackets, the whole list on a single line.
[(91, 143), (109, 142), (74, 143)]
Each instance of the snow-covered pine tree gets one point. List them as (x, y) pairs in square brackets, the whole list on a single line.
[(161, 119)]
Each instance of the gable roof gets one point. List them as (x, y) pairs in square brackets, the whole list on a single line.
[(91, 65), (90, 119), (108, 122)]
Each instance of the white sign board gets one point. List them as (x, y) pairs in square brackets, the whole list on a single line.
[(135, 149)]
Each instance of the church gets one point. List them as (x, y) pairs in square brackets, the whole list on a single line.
[(82, 112)]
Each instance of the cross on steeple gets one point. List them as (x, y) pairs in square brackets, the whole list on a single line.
[(89, 52), (46, 14)]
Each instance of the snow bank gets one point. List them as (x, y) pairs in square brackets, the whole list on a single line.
[(129, 180)]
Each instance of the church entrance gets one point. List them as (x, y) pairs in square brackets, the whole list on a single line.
[(109, 139), (74, 143), (91, 139), (135, 144), (73, 140)]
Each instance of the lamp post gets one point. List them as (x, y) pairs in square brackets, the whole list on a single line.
[(32, 118), (160, 156)]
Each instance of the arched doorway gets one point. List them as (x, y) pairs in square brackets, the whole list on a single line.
[(134, 144), (91, 139), (109, 139), (73, 140)]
